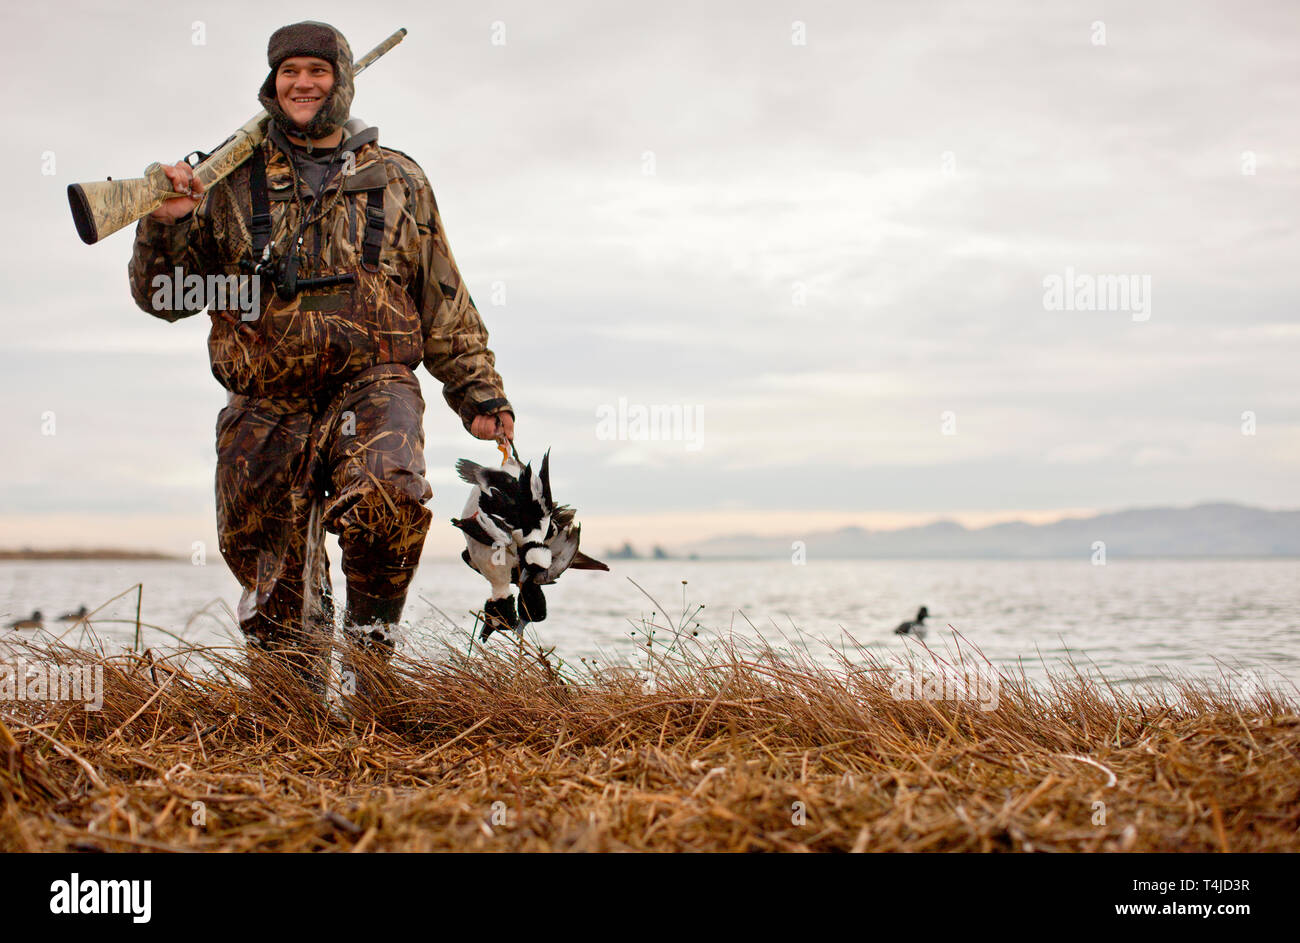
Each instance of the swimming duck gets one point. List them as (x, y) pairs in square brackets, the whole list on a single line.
[(75, 616), (35, 622), (516, 534), (916, 628)]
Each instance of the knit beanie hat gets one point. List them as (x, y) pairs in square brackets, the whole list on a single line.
[(322, 41)]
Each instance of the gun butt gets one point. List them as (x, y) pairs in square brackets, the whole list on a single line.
[(103, 207)]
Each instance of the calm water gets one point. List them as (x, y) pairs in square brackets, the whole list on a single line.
[(1146, 619)]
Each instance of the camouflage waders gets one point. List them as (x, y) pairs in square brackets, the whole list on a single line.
[(352, 465)]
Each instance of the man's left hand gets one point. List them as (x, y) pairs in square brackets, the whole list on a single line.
[(493, 427)]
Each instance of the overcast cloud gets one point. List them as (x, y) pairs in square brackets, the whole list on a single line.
[(840, 242)]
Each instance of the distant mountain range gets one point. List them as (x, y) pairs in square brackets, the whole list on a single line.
[(1206, 530)]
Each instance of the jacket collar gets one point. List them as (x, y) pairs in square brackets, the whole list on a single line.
[(364, 145)]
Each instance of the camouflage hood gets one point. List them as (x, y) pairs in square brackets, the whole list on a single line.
[(323, 41)]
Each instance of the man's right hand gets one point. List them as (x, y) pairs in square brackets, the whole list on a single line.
[(183, 180)]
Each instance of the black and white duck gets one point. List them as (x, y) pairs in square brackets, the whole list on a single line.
[(516, 534)]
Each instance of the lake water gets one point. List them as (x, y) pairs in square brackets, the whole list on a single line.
[(1132, 620)]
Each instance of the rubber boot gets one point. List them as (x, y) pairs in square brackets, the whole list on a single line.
[(286, 670), (369, 633)]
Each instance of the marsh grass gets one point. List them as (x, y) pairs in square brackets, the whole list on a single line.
[(698, 742)]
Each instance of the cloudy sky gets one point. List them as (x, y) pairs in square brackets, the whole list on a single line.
[(821, 230)]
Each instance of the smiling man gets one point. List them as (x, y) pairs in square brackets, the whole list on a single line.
[(323, 429)]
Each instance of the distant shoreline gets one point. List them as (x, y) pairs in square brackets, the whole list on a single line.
[(27, 553)]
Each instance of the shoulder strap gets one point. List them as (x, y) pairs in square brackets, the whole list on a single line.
[(373, 241), (260, 225)]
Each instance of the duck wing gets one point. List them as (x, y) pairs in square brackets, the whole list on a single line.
[(563, 547), (583, 562), (562, 516), (565, 555), (485, 479), (472, 529)]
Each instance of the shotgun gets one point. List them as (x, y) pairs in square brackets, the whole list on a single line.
[(100, 209)]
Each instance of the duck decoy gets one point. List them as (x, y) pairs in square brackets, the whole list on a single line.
[(916, 627)]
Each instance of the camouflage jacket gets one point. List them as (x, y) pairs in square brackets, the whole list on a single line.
[(415, 308)]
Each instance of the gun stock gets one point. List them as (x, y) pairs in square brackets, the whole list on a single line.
[(101, 208)]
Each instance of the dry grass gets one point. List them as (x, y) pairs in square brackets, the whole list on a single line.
[(509, 749)]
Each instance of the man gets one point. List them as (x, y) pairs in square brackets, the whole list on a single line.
[(323, 428)]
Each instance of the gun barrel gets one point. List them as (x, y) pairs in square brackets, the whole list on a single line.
[(101, 208), (360, 65)]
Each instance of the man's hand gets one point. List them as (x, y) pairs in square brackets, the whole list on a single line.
[(493, 427), (183, 180)]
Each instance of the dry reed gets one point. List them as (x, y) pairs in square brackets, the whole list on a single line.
[(726, 749)]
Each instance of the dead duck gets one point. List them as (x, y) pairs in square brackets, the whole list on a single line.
[(915, 628), (516, 534), (37, 621)]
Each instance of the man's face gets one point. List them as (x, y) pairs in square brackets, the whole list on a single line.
[(301, 84)]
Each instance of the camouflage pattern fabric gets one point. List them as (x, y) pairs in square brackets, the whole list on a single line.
[(415, 308), (324, 426), (354, 468)]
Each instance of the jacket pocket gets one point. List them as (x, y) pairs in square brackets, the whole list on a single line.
[(392, 321)]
